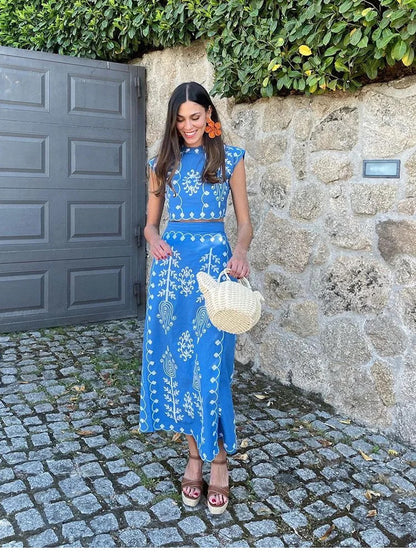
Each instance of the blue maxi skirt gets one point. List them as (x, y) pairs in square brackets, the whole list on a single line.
[(188, 363)]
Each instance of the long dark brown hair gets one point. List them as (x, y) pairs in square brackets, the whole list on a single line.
[(169, 155)]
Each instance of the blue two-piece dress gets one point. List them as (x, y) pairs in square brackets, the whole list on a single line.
[(188, 363)]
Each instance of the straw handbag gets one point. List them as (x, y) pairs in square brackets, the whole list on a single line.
[(232, 306)]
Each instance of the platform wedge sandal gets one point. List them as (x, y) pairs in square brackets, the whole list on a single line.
[(188, 500)]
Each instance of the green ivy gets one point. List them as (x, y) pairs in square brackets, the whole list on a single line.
[(258, 48)]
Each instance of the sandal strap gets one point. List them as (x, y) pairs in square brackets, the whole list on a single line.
[(188, 483), (219, 462), (216, 490), (196, 457)]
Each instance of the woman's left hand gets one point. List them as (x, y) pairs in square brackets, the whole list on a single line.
[(239, 266)]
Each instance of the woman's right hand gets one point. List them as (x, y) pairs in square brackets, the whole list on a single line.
[(159, 249)]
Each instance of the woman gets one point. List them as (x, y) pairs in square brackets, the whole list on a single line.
[(187, 362)]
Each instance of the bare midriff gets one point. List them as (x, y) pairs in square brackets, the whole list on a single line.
[(191, 221)]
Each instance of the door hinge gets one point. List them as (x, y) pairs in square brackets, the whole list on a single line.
[(138, 235), (136, 292), (138, 85)]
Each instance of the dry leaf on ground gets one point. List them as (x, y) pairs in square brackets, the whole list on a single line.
[(372, 513), (365, 456), (79, 388), (259, 396), (369, 494), (327, 533), (325, 442), (244, 443), (241, 457)]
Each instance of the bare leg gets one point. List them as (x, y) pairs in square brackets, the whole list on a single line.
[(193, 469), (219, 476)]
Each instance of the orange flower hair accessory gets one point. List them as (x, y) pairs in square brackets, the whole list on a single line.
[(213, 128)]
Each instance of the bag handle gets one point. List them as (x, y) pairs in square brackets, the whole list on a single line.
[(244, 281)]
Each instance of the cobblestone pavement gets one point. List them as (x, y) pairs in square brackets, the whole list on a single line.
[(74, 471)]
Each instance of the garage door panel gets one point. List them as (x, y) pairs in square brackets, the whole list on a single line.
[(97, 158), (99, 220), (24, 222), (96, 221), (24, 88), (96, 286), (94, 96), (81, 286), (22, 153), (23, 293), (64, 157), (66, 91)]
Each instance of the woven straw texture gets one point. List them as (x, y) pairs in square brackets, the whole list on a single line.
[(232, 306)]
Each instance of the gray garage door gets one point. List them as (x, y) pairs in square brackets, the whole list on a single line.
[(72, 190)]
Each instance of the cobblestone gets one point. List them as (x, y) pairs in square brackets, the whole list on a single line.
[(47, 538), (295, 519), (74, 471), (29, 520), (87, 504), (192, 525), (104, 523), (374, 538), (133, 538), (261, 528), (102, 540)]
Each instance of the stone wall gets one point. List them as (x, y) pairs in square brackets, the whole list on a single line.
[(333, 253)]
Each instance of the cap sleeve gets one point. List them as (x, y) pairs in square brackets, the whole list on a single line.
[(233, 155), (152, 163)]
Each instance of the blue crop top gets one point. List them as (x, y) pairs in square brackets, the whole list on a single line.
[(192, 199)]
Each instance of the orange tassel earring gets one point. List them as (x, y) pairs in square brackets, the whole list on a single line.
[(213, 128)]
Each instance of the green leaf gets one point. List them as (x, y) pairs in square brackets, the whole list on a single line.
[(339, 26), (340, 66), (363, 43), (326, 38), (272, 64), (399, 50), (409, 56), (411, 27), (355, 36), (331, 51), (332, 85), (371, 70), (345, 6), (386, 37), (267, 91)]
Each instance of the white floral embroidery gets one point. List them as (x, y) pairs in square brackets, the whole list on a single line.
[(210, 263), (186, 281), (196, 384), (168, 284), (171, 395), (201, 322), (192, 182), (185, 345), (188, 405)]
